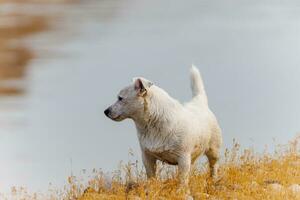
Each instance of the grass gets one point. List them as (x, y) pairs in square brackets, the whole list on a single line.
[(244, 174)]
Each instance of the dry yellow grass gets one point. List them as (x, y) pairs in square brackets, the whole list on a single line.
[(244, 174)]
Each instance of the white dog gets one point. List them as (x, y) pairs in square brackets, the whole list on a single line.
[(167, 130)]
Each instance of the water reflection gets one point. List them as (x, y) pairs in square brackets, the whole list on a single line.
[(14, 56), (19, 21), (36, 47)]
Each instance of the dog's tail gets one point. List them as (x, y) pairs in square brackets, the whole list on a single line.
[(197, 84)]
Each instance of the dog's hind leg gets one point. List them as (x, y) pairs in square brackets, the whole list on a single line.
[(213, 156)]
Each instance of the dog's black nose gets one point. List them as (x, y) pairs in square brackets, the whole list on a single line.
[(106, 112)]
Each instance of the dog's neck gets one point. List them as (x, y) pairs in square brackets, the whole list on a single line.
[(159, 110)]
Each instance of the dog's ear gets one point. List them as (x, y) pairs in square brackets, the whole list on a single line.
[(141, 85)]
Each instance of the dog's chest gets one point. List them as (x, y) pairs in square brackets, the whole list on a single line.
[(170, 157), (161, 147)]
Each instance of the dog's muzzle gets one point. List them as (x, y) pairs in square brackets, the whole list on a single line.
[(107, 111), (111, 115)]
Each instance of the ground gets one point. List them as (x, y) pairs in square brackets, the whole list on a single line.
[(243, 174)]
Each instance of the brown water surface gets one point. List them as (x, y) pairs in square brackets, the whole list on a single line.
[(15, 26)]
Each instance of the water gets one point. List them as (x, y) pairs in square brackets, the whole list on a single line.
[(247, 53)]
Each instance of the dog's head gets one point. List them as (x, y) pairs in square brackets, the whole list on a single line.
[(130, 100)]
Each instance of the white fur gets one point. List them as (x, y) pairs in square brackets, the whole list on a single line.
[(171, 132)]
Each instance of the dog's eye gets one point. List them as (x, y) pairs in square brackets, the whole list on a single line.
[(120, 98)]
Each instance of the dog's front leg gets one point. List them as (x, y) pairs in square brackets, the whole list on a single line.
[(184, 168), (150, 164)]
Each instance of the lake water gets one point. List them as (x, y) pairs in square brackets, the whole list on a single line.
[(248, 54)]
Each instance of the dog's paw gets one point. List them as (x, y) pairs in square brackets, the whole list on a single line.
[(184, 192), (217, 179), (188, 197)]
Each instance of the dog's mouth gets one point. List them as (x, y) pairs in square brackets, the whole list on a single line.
[(116, 118), (113, 116)]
